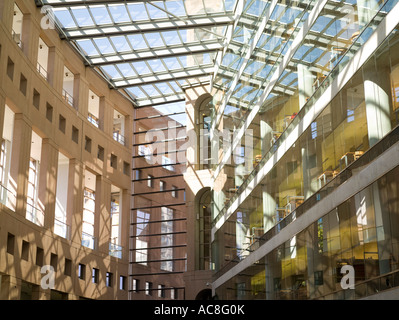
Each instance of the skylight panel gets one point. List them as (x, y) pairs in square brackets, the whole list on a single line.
[(176, 7), (164, 88), (171, 38), (119, 13), (137, 92), (150, 90), (126, 70), (100, 15), (156, 65), (154, 40), (65, 18), (82, 17), (138, 11), (88, 47), (229, 5), (111, 71), (172, 63), (104, 45), (137, 42), (154, 12), (141, 67), (120, 43)]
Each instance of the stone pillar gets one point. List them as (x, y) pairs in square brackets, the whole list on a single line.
[(102, 219), (20, 156), (48, 181), (75, 199), (55, 69), (265, 135)]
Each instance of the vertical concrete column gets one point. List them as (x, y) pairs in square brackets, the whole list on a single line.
[(102, 220), (305, 84), (107, 111), (7, 13), (75, 199), (55, 69), (377, 90), (30, 37), (48, 181), (20, 156)]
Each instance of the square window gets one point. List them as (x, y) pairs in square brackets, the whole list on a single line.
[(39, 256), (49, 112), (36, 99), (122, 283), (10, 243)]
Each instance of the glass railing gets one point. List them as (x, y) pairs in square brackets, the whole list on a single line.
[(119, 138), (35, 215), (115, 250), (89, 241), (62, 229), (7, 197), (325, 84), (93, 120), (370, 155)]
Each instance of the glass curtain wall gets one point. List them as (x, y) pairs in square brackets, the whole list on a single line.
[(339, 135)]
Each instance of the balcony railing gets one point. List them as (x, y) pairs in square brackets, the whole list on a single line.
[(93, 120), (7, 197), (89, 241), (68, 98), (115, 250), (35, 215), (119, 138), (17, 39), (62, 229), (42, 71)]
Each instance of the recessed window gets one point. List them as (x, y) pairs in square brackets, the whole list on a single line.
[(162, 185), (95, 275), (114, 161), (23, 84), (150, 182), (75, 134), (82, 271), (10, 243), (122, 283), (109, 279), (100, 153), (49, 112), (36, 99), (39, 256), (10, 69), (135, 285), (87, 144), (148, 288), (126, 168), (54, 261), (68, 267), (62, 124), (25, 250)]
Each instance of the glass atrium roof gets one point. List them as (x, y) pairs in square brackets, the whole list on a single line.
[(151, 50)]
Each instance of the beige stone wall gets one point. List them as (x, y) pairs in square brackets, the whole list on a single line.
[(19, 96)]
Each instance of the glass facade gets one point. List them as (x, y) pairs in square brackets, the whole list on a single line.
[(307, 127)]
